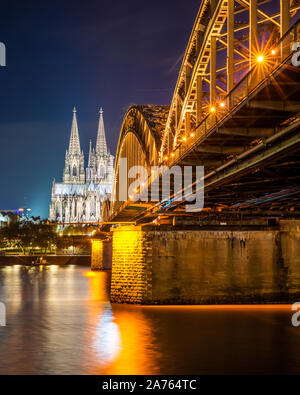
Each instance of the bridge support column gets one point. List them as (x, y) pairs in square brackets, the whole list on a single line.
[(213, 5), (253, 39), (131, 280), (97, 255), (199, 38), (177, 112), (187, 78), (187, 124), (157, 265), (213, 74), (284, 27), (230, 47), (199, 99), (101, 255)]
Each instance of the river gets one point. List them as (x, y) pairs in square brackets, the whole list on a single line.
[(60, 321)]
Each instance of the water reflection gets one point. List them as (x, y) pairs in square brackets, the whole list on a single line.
[(59, 320), (107, 340), (137, 351), (122, 339)]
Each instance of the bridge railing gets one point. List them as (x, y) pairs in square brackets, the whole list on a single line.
[(279, 53)]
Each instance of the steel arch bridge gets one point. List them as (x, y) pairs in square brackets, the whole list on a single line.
[(235, 110)]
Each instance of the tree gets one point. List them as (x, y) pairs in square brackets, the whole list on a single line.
[(29, 234)]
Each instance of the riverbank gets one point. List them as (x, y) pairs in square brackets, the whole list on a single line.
[(83, 260)]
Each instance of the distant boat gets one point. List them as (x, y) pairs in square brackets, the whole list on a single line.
[(39, 260)]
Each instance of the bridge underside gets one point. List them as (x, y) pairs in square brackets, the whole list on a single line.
[(235, 111), (251, 157)]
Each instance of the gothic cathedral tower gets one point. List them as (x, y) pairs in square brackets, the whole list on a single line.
[(74, 161), (100, 164), (78, 199)]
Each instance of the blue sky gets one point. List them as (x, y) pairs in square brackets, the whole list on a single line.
[(62, 54)]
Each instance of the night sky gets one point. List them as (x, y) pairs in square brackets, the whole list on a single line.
[(87, 54)]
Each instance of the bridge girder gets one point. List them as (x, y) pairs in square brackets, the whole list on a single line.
[(139, 144), (251, 102), (201, 67)]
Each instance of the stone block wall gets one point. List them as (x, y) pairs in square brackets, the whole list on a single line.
[(206, 266), (97, 255), (131, 280), (107, 255), (218, 267)]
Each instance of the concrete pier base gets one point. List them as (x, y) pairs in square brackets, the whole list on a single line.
[(97, 255), (225, 265), (101, 255)]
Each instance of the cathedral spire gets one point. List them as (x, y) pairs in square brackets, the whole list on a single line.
[(74, 162), (101, 148), (74, 146), (90, 154), (53, 187)]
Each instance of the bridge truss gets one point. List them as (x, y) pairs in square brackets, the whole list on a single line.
[(235, 110)]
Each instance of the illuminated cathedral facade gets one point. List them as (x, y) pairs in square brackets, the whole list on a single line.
[(79, 198)]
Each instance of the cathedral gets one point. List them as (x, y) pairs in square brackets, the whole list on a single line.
[(78, 199)]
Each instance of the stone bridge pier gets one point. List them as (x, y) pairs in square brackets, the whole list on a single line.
[(220, 265), (101, 255)]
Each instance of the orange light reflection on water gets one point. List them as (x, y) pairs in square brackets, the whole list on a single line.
[(225, 307), (137, 355), (89, 273), (98, 287), (121, 341)]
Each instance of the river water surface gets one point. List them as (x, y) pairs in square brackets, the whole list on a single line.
[(60, 321)]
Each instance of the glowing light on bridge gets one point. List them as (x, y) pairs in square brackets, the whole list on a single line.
[(212, 109), (260, 58)]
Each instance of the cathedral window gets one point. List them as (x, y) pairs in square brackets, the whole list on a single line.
[(57, 210), (74, 171), (92, 206)]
